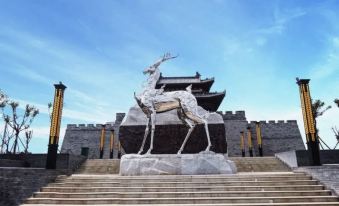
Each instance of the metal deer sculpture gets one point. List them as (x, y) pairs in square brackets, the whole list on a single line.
[(153, 101)]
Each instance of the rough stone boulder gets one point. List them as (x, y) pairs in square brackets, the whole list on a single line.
[(170, 133), (173, 164)]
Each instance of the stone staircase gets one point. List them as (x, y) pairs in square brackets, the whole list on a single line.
[(99, 166), (244, 164), (280, 187), (259, 164)]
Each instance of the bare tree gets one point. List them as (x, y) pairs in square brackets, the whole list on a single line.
[(3, 103), (17, 123), (20, 123), (28, 135)]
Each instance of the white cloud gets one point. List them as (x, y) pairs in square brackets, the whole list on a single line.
[(325, 123), (330, 64), (280, 20), (43, 132), (95, 116)]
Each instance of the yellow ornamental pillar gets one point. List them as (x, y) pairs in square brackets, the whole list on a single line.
[(242, 144), (309, 121), (111, 145), (55, 126), (259, 138), (102, 141), (249, 141)]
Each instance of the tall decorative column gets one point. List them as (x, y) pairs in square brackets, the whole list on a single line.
[(259, 138), (55, 126), (111, 144), (249, 141), (242, 144), (102, 141), (309, 121)]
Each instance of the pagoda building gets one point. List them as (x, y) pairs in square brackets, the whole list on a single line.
[(210, 101)]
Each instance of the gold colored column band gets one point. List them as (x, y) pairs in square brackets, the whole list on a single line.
[(112, 141), (249, 136), (258, 130), (306, 106), (102, 138), (56, 116)]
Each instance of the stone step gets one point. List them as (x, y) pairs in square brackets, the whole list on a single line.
[(201, 200), (183, 189), (179, 179), (241, 174), (242, 189), (178, 184), (182, 194), (251, 175), (221, 204), (244, 164), (259, 164), (99, 166)]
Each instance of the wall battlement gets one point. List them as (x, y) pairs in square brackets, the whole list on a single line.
[(273, 122), (88, 126), (229, 115)]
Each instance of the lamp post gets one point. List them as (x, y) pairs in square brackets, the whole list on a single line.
[(309, 121), (249, 141), (102, 141), (55, 126), (259, 138), (111, 144)]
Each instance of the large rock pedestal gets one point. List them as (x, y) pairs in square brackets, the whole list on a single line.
[(173, 164), (170, 133)]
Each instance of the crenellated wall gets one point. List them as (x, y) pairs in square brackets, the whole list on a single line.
[(278, 136), (234, 124), (82, 135), (229, 115)]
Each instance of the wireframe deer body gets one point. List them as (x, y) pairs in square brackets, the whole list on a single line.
[(153, 101)]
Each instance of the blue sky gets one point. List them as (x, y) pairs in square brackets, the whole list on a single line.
[(254, 49)]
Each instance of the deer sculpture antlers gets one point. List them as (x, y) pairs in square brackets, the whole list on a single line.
[(164, 58)]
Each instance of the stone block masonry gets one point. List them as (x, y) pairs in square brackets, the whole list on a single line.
[(64, 161), (17, 184), (88, 136), (277, 136)]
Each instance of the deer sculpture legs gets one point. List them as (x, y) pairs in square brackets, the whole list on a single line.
[(191, 124), (152, 120)]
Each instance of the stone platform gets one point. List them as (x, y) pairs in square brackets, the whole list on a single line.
[(173, 164), (170, 133)]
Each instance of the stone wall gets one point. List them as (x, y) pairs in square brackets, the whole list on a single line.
[(88, 136), (278, 136), (64, 161), (17, 184), (301, 158), (12, 163), (234, 124), (326, 157), (327, 175)]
